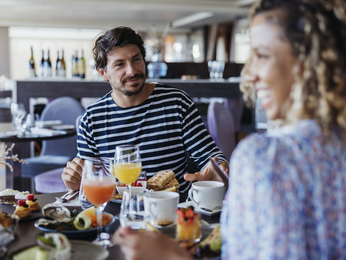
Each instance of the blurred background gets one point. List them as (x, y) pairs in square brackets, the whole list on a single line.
[(179, 30)]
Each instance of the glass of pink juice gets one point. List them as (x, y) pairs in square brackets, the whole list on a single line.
[(98, 186)]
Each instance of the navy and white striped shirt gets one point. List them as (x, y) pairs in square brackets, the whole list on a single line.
[(165, 126)]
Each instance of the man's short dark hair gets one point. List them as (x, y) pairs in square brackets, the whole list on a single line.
[(119, 36)]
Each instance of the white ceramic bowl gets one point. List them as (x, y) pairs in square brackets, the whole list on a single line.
[(134, 190)]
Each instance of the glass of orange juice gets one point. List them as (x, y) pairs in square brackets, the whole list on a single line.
[(98, 185), (127, 164)]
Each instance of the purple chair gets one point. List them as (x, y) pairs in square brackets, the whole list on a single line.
[(51, 181), (221, 127), (55, 153), (235, 106)]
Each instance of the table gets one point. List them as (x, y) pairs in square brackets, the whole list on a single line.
[(26, 233), (13, 180)]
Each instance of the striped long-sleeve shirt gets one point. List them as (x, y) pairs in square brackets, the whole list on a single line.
[(165, 126)]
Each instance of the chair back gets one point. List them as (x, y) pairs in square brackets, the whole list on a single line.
[(67, 110), (221, 128), (235, 106)]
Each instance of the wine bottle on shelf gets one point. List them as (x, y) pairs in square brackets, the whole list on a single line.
[(57, 65), (48, 66), (63, 64), (74, 64), (59, 68), (41, 73), (76, 67), (81, 67), (31, 69)]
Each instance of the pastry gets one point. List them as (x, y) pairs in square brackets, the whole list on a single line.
[(159, 180), (21, 195), (22, 210), (32, 202), (173, 185), (5, 219), (8, 196)]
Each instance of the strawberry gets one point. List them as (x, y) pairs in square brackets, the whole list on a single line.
[(30, 197), (139, 185), (179, 213), (191, 220), (189, 213), (21, 203)]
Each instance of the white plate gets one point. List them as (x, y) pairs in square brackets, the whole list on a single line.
[(204, 212), (81, 250), (64, 127), (48, 123), (117, 201), (8, 134)]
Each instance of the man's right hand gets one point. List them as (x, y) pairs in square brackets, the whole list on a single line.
[(72, 174)]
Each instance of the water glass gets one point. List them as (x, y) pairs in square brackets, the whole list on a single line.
[(131, 212)]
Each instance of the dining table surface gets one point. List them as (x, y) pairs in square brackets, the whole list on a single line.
[(26, 232), (9, 136)]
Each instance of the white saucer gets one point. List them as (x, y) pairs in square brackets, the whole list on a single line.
[(204, 212)]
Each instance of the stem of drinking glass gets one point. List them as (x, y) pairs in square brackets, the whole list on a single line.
[(99, 223), (129, 189)]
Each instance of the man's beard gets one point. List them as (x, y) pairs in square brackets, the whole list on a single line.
[(128, 92)]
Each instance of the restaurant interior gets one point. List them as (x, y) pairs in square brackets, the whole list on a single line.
[(199, 46)]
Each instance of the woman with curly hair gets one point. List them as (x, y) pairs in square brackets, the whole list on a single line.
[(287, 190)]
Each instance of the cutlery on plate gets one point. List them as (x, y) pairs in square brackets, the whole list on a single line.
[(70, 195), (211, 210)]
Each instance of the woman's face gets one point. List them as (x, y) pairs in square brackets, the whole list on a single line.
[(271, 65)]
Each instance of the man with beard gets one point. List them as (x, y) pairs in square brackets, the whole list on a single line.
[(162, 120)]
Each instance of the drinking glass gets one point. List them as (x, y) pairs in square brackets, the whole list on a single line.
[(98, 185), (18, 114), (131, 212), (127, 164)]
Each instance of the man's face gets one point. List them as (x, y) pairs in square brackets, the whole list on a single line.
[(125, 70)]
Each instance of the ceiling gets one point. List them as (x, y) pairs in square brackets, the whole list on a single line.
[(141, 15)]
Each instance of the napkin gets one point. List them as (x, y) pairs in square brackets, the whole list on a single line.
[(46, 132)]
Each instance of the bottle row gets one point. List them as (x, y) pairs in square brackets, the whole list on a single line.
[(46, 68)]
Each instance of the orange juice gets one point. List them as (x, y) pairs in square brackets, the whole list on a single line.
[(127, 172), (99, 191)]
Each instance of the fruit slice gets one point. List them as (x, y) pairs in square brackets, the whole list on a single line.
[(82, 222), (88, 211)]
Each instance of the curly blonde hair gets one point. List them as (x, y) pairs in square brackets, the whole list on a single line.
[(316, 31)]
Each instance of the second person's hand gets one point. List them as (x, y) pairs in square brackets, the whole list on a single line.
[(208, 174)]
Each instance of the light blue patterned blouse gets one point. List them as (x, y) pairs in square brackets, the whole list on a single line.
[(286, 197)]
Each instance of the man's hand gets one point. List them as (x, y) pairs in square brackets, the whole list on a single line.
[(72, 174), (138, 245), (208, 174)]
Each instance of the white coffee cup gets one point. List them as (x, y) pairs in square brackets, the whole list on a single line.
[(161, 205), (207, 194)]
